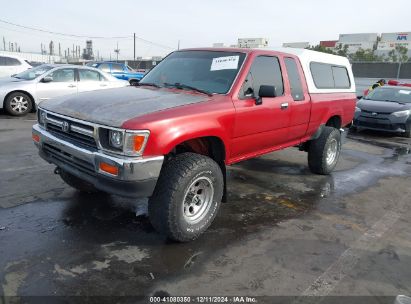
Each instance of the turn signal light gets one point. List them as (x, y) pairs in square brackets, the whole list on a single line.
[(35, 137), (113, 170), (138, 142)]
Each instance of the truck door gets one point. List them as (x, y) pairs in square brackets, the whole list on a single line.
[(118, 71), (301, 104), (264, 126)]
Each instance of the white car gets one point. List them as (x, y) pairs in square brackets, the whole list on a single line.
[(21, 93), (10, 65)]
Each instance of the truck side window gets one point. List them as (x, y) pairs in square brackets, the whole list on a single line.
[(265, 70), (294, 79), (329, 76)]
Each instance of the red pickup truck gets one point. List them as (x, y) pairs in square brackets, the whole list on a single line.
[(199, 110)]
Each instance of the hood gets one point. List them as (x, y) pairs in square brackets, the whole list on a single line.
[(10, 80), (382, 106), (113, 107)]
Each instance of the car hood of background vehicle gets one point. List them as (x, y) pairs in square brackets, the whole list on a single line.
[(382, 106), (11, 80), (113, 107)]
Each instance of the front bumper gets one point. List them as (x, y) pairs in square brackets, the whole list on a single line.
[(381, 122), (137, 177)]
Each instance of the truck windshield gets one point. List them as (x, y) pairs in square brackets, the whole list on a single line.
[(209, 71)]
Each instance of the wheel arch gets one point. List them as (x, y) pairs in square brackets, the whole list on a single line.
[(334, 121), (34, 107), (211, 146)]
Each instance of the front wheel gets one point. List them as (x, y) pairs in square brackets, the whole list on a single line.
[(18, 104), (187, 197), (324, 151)]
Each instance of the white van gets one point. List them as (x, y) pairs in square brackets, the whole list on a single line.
[(10, 65)]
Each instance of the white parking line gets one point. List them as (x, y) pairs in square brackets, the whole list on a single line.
[(325, 283)]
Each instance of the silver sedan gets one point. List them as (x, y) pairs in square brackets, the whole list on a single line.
[(21, 93)]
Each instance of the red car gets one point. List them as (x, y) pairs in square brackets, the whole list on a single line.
[(199, 110)]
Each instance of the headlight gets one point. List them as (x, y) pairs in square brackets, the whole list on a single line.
[(42, 117), (402, 113), (357, 109), (116, 139), (126, 142)]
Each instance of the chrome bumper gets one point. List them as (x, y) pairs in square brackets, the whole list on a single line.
[(137, 177)]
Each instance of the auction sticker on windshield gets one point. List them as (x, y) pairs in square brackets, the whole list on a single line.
[(225, 63)]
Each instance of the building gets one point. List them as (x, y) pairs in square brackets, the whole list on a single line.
[(354, 42), (389, 41), (329, 44), (252, 43), (218, 45), (296, 45)]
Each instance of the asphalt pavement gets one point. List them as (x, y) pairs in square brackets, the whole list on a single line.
[(283, 232)]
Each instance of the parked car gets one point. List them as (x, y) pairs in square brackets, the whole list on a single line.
[(10, 65), (171, 137), (21, 93), (119, 70), (386, 108)]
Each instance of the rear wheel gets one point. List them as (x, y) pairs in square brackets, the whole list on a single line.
[(77, 183), (18, 104), (324, 151), (133, 82), (187, 197)]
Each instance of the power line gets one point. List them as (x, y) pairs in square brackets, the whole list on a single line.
[(85, 36)]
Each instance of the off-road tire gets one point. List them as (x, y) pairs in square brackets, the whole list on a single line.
[(166, 205), (317, 152), (77, 183), (9, 100)]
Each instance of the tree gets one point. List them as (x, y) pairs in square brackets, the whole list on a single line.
[(365, 55), (399, 54)]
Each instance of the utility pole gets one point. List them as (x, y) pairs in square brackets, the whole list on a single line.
[(178, 46), (117, 51), (134, 47), (59, 49), (4, 43)]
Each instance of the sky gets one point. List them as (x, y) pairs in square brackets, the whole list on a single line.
[(195, 23)]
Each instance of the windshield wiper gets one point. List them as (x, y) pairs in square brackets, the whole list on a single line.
[(182, 86), (139, 84)]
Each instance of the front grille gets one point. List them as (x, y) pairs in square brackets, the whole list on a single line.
[(68, 159), (375, 125), (77, 133)]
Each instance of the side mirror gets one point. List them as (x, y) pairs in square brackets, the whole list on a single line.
[(13, 75), (47, 79), (265, 91)]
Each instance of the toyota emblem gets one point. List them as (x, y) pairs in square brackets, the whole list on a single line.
[(374, 113), (65, 126)]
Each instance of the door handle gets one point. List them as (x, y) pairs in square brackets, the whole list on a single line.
[(284, 106), (71, 85)]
